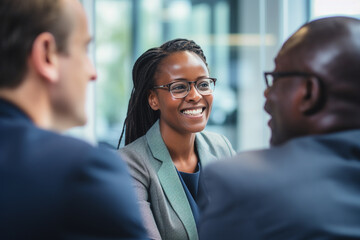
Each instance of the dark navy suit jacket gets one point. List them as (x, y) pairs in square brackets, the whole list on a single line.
[(308, 188), (58, 187)]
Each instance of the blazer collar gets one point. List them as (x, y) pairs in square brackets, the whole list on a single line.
[(203, 149), (9, 110), (161, 153), (169, 179)]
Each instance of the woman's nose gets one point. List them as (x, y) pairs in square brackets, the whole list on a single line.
[(193, 94)]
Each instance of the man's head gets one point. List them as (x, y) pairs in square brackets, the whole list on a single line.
[(21, 22), (316, 81), (43, 44)]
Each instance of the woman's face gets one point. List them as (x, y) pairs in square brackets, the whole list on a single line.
[(184, 115)]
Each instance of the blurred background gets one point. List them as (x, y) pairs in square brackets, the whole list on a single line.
[(240, 39)]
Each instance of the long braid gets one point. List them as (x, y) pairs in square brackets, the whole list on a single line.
[(140, 116)]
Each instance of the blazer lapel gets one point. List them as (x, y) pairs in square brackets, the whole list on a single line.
[(169, 180), (204, 153)]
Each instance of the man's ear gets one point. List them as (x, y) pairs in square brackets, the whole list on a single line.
[(312, 98), (44, 57), (153, 100)]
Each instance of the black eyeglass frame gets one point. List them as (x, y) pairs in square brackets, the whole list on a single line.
[(276, 75), (167, 86)]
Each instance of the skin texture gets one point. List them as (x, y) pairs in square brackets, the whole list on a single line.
[(75, 71), (327, 101), (178, 129)]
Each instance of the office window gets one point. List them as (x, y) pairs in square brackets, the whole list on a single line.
[(113, 37), (239, 37), (322, 8)]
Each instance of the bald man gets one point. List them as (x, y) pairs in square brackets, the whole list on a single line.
[(307, 185)]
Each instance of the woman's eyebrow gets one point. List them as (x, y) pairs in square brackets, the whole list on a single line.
[(185, 79)]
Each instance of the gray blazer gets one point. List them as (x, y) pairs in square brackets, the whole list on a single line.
[(163, 202)]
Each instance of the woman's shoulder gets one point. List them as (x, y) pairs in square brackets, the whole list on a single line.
[(135, 145), (216, 143), (136, 151), (212, 137), (137, 155)]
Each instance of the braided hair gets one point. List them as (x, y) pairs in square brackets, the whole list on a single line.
[(140, 116)]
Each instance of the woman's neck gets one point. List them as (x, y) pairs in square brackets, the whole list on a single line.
[(181, 148)]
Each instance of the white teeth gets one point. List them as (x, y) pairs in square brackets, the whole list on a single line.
[(193, 112)]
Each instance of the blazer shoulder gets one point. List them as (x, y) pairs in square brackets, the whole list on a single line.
[(137, 155), (63, 141), (216, 143), (136, 151), (72, 152)]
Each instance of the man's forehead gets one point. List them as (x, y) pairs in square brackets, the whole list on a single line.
[(74, 9), (287, 61), (296, 40), (76, 13), (296, 51)]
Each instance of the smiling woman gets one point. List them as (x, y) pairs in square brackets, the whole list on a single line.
[(166, 147)]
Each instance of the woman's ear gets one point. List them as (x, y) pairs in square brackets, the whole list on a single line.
[(153, 100), (312, 99)]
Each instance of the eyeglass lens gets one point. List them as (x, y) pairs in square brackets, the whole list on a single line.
[(203, 86), (270, 79)]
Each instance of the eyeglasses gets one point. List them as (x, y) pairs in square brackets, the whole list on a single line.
[(271, 77), (181, 88)]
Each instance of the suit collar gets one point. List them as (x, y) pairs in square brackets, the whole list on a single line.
[(156, 143), (203, 150), (9, 110), (342, 141), (161, 153), (169, 179)]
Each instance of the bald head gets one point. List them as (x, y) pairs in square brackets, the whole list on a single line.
[(328, 47), (321, 94)]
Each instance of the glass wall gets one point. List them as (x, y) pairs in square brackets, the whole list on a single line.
[(239, 37), (323, 8)]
